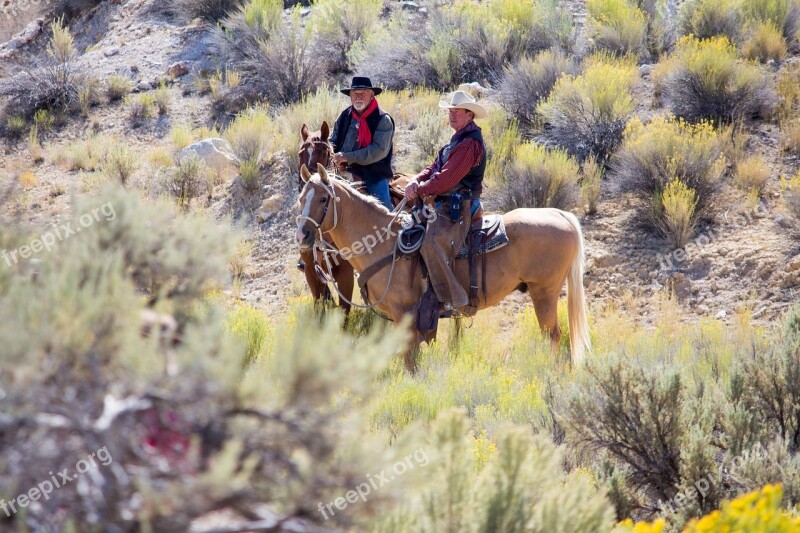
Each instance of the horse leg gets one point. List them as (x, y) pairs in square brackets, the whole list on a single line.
[(344, 276), (313, 282), (414, 340), (546, 307)]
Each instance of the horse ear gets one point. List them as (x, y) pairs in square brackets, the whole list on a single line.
[(305, 175), (304, 132), (324, 131), (323, 174)]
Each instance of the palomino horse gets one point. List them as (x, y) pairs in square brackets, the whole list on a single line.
[(317, 150), (545, 249)]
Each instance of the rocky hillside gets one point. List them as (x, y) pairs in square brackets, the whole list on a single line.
[(745, 255)]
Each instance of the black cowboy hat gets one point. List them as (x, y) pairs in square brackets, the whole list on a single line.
[(361, 82)]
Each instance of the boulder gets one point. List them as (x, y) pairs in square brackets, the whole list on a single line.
[(176, 70), (269, 208), (216, 153)]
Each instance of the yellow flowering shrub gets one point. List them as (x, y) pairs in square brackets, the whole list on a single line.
[(757, 512), (617, 25)]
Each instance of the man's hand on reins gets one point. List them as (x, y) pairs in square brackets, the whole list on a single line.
[(411, 192), (339, 159)]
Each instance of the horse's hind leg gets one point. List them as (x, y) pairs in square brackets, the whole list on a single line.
[(546, 307)]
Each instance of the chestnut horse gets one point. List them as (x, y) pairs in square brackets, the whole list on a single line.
[(545, 249), (317, 150)]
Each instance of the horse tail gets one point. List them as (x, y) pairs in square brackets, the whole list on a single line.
[(576, 299)]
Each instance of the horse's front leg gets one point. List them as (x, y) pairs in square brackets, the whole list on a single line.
[(411, 352), (344, 276)]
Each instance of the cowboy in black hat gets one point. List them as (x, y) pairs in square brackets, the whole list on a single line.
[(362, 139)]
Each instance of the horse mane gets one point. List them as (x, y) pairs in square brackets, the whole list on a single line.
[(366, 198)]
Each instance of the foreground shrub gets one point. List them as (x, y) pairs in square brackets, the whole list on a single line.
[(706, 79), (521, 488), (587, 114), (529, 81), (538, 177), (618, 26), (756, 512), (653, 155)]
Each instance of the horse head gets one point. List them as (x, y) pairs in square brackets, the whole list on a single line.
[(315, 148), (315, 198)]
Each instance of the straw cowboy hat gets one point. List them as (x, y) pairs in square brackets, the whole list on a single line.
[(462, 100), (361, 82)]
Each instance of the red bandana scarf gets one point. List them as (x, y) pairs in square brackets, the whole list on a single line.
[(364, 135)]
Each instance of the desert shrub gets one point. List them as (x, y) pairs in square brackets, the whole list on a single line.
[(522, 488), (15, 127), (529, 81), (181, 136), (784, 15), (341, 24), (759, 511), (89, 95), (465, 41), (712, 18), (250, 174), (35, 146), (764, 44), (120, 164), (250, 135), (501, 140), (118, 87), (653, 155), (86, 154), (54, 84), (587, 114), (618, 26), (790, 136), (431, 133), (751, 175), (208, 10), (277, 59), (253, 328), (538, 177), (188, 180), (674, 212), (591, 184), (43, 120), (161, 98), (708, 80), (141, 107), (791, 196)]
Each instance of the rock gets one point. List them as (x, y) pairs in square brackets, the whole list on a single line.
[(410, 6), (607, 260), (644, 70), (269, 208), (23, 38), (143, 86), (475, 88), (216, 153), (722, 314), (782, 221), (703, 309), (112, 51), (176, 70)]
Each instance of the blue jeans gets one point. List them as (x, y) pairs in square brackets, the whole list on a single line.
[(380, 190)]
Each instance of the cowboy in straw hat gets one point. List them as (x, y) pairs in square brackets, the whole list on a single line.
[(453, 181), (362, 139)]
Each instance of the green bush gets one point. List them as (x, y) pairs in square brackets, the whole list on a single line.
[(340, 25), (766, 43), (587, 114), (118, 87), (618, 26), (784, 15), (277, 59), (712, 18), (538, 177), (529, 81), (707, 79), (15, 127), (653, 155)]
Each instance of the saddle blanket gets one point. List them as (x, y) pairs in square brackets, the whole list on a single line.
[(496, 236)]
